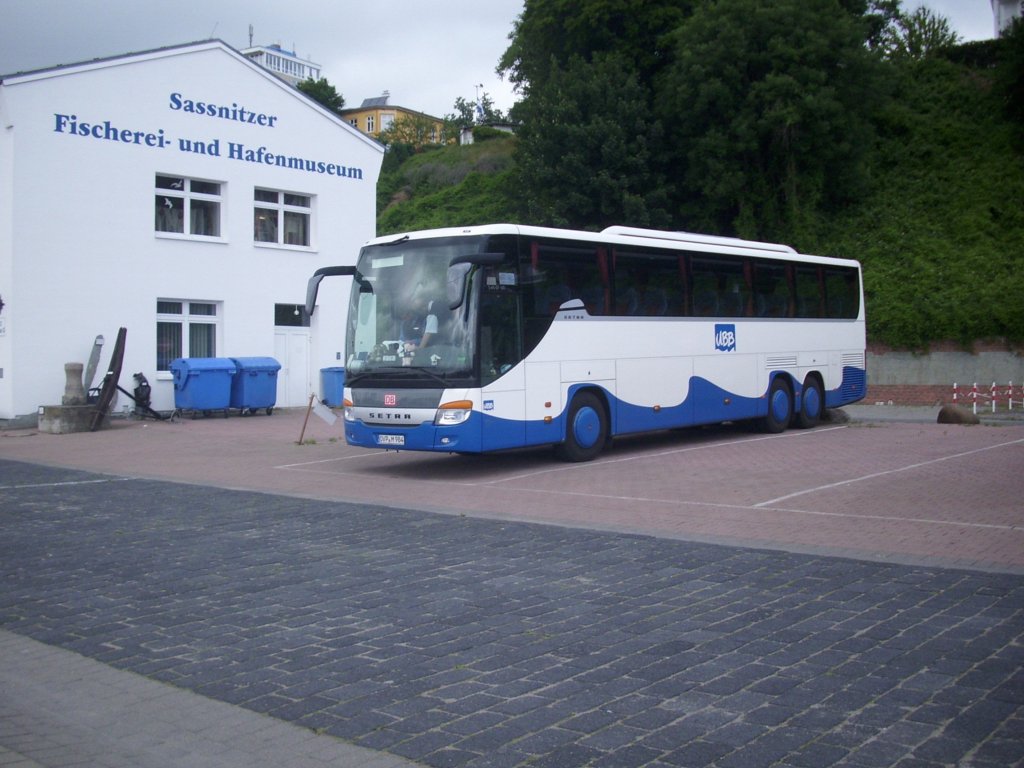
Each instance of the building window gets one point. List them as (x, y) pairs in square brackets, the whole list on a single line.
[(291, 315), (185, 329), (371, 123), (281, 218), (187, 206), (386, 121)]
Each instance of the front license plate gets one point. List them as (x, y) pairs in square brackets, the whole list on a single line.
[(390, 439)]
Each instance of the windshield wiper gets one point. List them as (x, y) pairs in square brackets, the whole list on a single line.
[(407, 371), (438, 377)]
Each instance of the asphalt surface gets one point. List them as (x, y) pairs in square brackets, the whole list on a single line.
[(155, 622)]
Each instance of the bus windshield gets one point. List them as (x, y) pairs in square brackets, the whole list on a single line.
[(399, 316)]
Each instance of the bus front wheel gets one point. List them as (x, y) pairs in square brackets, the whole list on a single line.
[(586, 429), (780, 407)]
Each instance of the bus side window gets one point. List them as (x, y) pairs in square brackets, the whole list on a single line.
[(732, 302), (841, 293), (648, 284), (721, 286), (705, 291), (771, 290), (808, 292), (559, 274), (555, 290), (555, 273)]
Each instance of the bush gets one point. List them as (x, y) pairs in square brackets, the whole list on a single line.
[(486, 133)]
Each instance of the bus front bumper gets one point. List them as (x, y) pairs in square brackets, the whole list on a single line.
[(461, 438)]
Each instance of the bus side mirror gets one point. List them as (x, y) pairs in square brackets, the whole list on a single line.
[(458, 270), (455, 288), (314, 283)]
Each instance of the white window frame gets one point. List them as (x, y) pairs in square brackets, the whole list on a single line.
[(185, 319), (187, 196), (283, 208)]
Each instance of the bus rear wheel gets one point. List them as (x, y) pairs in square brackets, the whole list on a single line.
[(812, 405), (586, 429), (780, 407)]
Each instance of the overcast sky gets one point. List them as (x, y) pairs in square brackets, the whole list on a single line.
[(425, 53)]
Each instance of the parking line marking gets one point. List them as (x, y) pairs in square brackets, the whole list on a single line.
[(67, 482), (302, 464), (645, 456), (883, 473), (762, 507)]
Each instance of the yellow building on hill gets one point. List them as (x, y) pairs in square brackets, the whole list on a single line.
[(375, 116)]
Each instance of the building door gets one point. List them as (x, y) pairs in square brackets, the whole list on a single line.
[(291, 348), (294, 385)]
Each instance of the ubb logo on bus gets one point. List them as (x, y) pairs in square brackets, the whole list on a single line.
[(725, 337)]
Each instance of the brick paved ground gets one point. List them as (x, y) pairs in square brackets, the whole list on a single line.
[(923, 493), (457, 641)]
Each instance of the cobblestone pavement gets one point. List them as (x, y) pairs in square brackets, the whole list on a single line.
[(59, 709), (459, 641)]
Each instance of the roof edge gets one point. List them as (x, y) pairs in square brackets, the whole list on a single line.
[(58, 69), (174, 50)]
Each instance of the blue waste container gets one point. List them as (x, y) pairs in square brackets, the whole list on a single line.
[(255, 384), (332, 385), (202, 383)]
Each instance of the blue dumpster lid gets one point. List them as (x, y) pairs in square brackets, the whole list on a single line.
[(256, 363), (188, 365)]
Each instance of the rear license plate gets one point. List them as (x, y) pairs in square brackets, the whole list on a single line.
[(390, 439)]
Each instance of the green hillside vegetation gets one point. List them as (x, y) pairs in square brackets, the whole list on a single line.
[(447, 186), (941, 231), (935, 212)]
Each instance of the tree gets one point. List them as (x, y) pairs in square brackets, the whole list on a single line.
[(414, 130), (549, 33), (916, 35), (587, 145), (878, 16), (758, 112), (468, 113), (323, 92), (769, 103)]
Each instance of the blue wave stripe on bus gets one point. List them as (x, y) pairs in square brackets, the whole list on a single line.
[(706, 403)]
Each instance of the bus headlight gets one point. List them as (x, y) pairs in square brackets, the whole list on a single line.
[(348, 410), (455, 412)]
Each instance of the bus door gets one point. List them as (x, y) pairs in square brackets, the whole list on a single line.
[(502, 376)]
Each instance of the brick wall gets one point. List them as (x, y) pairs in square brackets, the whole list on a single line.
[(926, 378), (910, 394)]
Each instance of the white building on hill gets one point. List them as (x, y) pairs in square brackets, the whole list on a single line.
[(1004, 12)]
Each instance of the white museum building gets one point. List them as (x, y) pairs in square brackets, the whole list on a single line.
[(185, 194)]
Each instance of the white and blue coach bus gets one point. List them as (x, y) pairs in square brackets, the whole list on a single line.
[(502, 336)]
